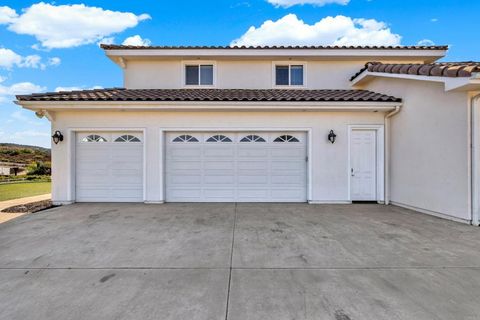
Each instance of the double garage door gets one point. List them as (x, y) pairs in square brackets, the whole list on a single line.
[(199, 167), (236, 167)]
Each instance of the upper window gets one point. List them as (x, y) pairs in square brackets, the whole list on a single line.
[(289, 75), (94, 138), (185, 138), (199, 74), (252, 138), (286, 138), (219, 138), (127, 138)]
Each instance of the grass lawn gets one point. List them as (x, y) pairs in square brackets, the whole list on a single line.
[(26, 189)]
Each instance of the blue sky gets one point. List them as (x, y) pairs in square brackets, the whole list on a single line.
[(46, 46)]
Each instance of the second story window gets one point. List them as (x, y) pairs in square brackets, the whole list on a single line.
[(289, 75), (199, 74)]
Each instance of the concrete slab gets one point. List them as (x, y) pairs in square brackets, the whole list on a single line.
[(338, 236), (289, 261), (356, 294), (113, 294), (120, 235)]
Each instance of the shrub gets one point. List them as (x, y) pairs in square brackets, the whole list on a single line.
[(39, 168)]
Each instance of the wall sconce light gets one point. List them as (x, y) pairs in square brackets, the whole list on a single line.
[(57, 137), (332, 136)]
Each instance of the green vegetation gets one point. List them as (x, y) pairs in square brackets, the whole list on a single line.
[(17, 153), (11, 191), (39, 168)]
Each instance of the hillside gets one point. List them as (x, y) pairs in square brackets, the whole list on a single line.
[(10, 152)]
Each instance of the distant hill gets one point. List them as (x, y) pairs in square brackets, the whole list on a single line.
[(18, 153)]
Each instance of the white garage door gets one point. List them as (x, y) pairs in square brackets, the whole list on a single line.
[(236, 167), (109, 167)]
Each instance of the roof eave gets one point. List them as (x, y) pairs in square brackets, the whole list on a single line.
[(426, 55), (211, 106), (451, 83)]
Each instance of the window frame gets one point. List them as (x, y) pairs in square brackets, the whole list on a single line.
[(289, 64), (198, 63)]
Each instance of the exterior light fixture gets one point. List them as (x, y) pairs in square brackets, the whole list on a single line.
[(57, 137), (332, 137)]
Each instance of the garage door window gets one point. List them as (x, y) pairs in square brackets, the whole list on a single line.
[(94, 138), (127, 138), (252, 138), (286, 138), (185, 138), (219, 138)]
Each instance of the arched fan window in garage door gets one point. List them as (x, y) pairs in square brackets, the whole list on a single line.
[(286, 138), (127, 138), (94, 138), (185, 138)]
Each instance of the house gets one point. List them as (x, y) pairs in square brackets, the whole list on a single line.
[(9, 168), (273, 124)]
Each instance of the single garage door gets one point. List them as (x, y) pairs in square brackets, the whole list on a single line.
[(236, 167), (109, 167)]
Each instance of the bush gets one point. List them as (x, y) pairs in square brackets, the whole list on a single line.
[(39, 168)]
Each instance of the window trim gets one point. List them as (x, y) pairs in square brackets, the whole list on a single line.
[(186, 63), (289, 64)]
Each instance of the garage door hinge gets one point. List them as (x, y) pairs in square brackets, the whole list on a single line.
[(306, 158)]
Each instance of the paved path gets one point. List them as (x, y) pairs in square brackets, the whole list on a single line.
[(4, 217)]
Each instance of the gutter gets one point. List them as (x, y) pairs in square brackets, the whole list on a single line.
[(474, 167), (387, 153)]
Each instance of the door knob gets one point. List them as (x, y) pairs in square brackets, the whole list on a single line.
[(353, 174)]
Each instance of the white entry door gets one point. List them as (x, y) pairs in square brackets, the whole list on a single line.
[(109, 167), (363, 165), (236, 167)]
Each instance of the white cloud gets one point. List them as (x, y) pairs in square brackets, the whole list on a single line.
[(136, 41), (7, 15), (107, 40), (9, 59), (434, 20), (55, 61), (289, 3), (74, 88), (7, 92), (66, 26), (425, 42), (339, 30)]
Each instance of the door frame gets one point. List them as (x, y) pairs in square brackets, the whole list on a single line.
[(163, 149), (380, 158), (71, 154)]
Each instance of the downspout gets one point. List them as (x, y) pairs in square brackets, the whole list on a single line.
[(387, 154), (474, 131)]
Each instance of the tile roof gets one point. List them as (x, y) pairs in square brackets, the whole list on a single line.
[(246, 95), (442, 69), (122, 47)]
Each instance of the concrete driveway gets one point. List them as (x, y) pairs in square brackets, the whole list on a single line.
[(238, 262)]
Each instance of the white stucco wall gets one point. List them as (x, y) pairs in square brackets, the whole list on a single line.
[(239, 74), (329, 162), (429, 147)]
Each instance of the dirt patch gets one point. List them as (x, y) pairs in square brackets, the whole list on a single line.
[(30, 207)]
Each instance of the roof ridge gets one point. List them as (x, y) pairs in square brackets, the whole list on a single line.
[(267, 47)]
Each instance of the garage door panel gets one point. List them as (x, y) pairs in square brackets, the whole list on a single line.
[(252, 152), (236, 171), (218, 194), (108, 171), (219, 151), (187, 151), (219, 165), (184, 179), (252, 180)]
